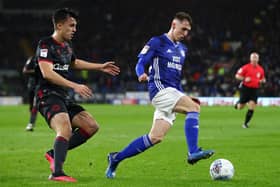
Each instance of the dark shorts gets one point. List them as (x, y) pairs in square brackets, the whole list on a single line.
[(53, 104), (248, 94)]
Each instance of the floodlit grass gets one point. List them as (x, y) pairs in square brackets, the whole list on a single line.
[(254, 152)]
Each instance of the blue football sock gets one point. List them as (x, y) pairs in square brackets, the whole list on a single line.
[(191, 131), (137, 146)]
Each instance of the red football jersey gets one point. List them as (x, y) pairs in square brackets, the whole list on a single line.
[(256, 73)]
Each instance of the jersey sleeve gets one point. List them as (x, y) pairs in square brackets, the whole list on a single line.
[(241, 71), (44, 52), (146, 55), (28, 63), (149, 48), (31, 64)]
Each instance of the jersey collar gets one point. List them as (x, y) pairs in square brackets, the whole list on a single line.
[(168, 39)]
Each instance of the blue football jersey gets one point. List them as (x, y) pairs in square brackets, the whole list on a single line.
[(166, 60)]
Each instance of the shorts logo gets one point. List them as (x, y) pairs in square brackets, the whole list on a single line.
[(44, 53), (55, 108)]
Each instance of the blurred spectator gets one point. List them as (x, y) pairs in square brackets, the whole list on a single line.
[(219, 43)]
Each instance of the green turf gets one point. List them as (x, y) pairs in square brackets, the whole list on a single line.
[(254, 152)]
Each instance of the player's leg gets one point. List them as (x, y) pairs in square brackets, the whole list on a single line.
[(239, 105), (86, 127), (251, 107), (249, 96), (189, 106), (159, 130), (60, 123), (33, 112), (84, 124), (55, 112), (163, 119), (244, 98), (142, 143), (138, 145)]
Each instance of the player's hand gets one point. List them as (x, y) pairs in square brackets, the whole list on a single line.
[(262, 81), (83, 90), (247, 79), (110, 68), (143, 77)]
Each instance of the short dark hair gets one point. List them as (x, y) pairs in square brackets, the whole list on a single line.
[(183, 15), (60, 15)]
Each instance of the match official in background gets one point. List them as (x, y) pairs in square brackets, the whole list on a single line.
[(29, 72), (251, 76), (165, 56), (55, 57)]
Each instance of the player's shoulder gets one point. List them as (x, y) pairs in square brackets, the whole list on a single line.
[(248, 65), (155, 40), (45, 40), (69, 43), (33, 59), (183, 46)]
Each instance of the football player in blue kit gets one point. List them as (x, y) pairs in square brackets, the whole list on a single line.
[(165, 56)]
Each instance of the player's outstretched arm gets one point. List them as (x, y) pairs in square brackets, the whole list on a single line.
[(107, 67), (53, 77)]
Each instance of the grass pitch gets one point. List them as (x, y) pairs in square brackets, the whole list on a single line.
[(254, 152)]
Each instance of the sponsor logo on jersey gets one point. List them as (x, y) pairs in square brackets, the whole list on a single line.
[(60, 67), (174, 66), (176, 59), (145, 49), (44, 53)]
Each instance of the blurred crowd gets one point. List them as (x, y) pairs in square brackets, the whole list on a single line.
[(224, 33)]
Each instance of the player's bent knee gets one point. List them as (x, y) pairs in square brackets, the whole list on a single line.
[(91, 128), (65, 133), (156, 139), (94, 127)]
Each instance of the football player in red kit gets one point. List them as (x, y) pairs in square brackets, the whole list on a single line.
[(252, 76)]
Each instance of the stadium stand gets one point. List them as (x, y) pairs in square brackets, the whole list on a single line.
[(224, 34)]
